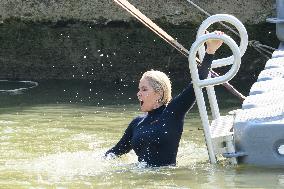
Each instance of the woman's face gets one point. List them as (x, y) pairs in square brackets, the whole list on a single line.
[(147, 96)]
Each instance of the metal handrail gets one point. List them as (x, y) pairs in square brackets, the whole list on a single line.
[(225, 61), (199, 84), (223, 18), (217, 80)]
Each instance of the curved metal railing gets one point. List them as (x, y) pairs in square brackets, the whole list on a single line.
[(217, 80), (223, 18), (198, 84)]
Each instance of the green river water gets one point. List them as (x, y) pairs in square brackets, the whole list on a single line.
[(55, 136)]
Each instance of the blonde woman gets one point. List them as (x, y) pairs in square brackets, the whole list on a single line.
[(155, 135)]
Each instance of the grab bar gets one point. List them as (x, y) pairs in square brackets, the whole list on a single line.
[(223, 18), (217, 80)]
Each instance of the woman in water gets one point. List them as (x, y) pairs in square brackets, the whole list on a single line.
[(155, 135)]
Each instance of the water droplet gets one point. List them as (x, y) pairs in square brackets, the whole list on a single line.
[(85, 56)]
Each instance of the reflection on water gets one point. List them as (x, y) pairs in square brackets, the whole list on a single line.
[(55, 136), (16, 87)]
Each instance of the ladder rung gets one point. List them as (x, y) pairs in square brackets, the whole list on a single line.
[(221, 126)]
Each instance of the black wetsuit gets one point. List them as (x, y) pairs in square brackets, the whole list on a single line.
[(155, 136)]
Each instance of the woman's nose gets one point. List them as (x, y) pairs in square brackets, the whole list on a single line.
[(138, 94)]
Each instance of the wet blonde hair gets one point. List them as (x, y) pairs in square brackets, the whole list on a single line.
[(160, 82)]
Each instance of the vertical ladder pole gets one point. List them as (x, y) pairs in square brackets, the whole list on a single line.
[(279, 21), (204, 120), (213, 102)]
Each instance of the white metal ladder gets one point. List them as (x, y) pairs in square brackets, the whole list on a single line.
[(219, 136)]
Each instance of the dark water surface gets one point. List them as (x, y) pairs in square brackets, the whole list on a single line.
[(55, 135)]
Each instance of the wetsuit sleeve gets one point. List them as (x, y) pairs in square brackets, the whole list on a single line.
[(186, 99), (203, 70), (124, 144)]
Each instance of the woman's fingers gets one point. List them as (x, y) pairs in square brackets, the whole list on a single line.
[(214, 45)]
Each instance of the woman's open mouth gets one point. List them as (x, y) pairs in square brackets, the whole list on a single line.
[(141, 103)]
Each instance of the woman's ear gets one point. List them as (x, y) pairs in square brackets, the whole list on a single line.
[(160, 98)]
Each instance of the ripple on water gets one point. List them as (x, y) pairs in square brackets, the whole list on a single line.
[(190, 153), (4, 122)]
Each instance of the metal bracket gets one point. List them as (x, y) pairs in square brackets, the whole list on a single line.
[(234, 154)]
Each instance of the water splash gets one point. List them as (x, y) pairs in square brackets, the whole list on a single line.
[(73, 165), (69, 164), (4, 122)]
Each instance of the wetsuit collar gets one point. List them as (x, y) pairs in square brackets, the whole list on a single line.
[(157, 111)]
